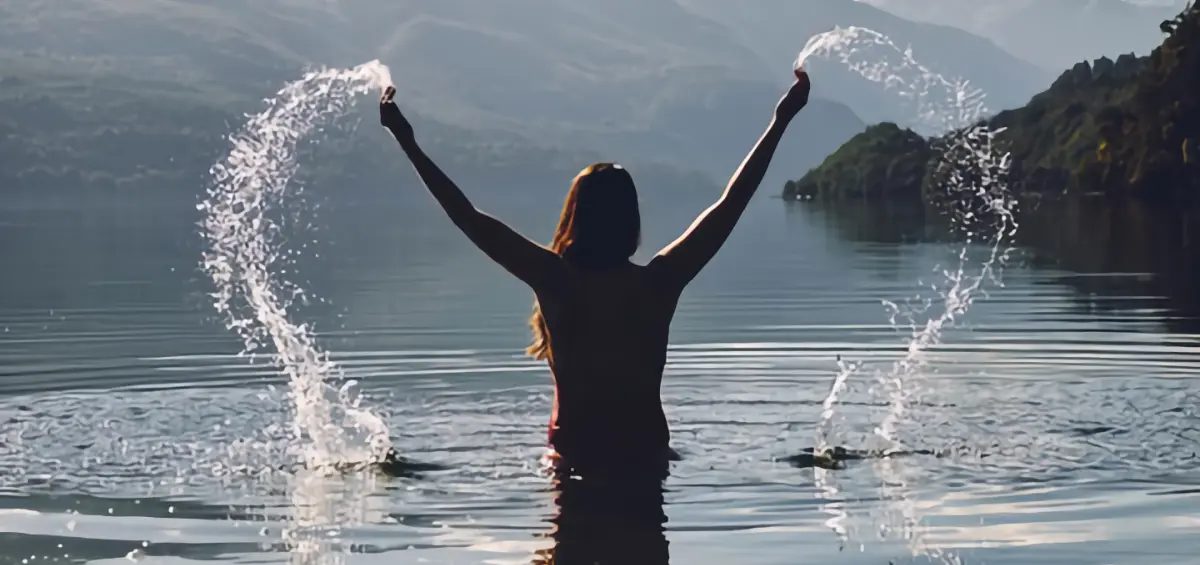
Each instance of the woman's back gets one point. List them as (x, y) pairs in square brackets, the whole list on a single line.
[(607, 336)]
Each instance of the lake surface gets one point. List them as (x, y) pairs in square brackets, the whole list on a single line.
[(1068, 401)]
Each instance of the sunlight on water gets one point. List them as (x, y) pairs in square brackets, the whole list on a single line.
[(323, 509), (971, 178), (246, 257)]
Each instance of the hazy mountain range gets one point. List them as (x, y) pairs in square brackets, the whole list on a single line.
[(688, 83), (1054, 34)]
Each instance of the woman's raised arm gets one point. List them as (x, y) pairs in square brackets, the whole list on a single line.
[(528, 261), (683, 259)]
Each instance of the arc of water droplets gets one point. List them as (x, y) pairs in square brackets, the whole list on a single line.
[(981, 208), (245, 250), (941, 103)]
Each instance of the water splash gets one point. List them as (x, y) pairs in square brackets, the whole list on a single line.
[(825, 481), (246, 256), (825, 428), (939, 103), (982, 213), (972, 191)]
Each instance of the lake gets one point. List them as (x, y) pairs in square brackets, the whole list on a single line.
[(1064, 406)]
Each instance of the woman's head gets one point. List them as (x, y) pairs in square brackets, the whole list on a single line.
[(600, 226)]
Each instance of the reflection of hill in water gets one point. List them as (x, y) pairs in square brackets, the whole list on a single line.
[(1117, 255), (872, 221), (1145, 251)]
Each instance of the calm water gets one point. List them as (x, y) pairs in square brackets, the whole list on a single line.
[(1072, 400)]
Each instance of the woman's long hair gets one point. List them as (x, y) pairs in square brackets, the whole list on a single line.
[(600, 227)]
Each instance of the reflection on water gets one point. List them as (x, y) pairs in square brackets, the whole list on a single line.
[(323, 508), (871, 222), (1119, 256), (128, 422), (1123, 256), (600, 522)]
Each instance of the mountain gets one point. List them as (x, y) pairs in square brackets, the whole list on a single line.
[(638, 81), (1129, 127), (670, 84), (656, 76), (71, 132), (1050, 33)]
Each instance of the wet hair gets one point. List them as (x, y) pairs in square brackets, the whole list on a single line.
[(600, 227)]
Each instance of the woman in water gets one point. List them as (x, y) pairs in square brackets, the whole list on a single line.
[(600, 321)]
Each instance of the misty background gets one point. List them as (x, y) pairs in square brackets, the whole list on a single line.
[(115, 100)]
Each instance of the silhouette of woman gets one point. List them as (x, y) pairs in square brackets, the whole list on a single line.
[(600, 321)]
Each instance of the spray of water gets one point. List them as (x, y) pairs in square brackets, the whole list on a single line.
[(825, 427), (246, 256), (939, 103), (827, 487), (973, 192)]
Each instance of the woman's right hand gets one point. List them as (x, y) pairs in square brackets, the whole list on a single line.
[(795, 99), (391, 117)]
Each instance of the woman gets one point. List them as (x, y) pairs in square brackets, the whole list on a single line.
[(600, 321)]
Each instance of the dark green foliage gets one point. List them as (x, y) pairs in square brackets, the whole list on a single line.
[(882, 159), (1126, 127)]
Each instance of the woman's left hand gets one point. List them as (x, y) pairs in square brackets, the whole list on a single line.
[(795, 99), (391, 117)]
